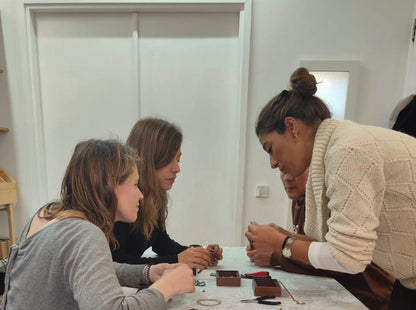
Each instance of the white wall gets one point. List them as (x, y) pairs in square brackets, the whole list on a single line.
[(376, 32), (410, 84)]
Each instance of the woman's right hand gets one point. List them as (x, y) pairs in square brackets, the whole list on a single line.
[(176, 281), (199, 256)]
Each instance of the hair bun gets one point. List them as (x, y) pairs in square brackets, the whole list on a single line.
[(303, 83)]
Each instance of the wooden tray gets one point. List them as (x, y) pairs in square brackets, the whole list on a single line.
[(267, 287), (228, 278)]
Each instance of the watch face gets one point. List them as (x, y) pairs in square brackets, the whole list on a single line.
[(287, 253)]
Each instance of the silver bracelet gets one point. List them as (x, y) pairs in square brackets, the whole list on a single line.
[(208, 302), (147, 273)]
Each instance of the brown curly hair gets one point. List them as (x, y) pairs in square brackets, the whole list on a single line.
[(156, 142)]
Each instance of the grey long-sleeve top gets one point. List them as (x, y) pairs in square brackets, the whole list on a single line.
[(68, 265)]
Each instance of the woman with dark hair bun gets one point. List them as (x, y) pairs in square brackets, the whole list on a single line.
[(158, 144), (360, 193)]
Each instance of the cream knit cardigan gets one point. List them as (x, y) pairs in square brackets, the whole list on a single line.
[(361, 197)]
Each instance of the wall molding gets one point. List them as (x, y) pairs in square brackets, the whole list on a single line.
[(351, 66)]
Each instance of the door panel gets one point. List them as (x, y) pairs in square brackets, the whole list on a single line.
[(189, 75), (87, 83), (100, 72)]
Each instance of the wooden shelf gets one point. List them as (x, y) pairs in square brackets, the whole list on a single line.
[(4, 129), (8, 196)]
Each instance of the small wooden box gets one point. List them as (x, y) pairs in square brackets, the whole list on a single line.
[(4, 248), (228, 278), (8, 191), (267, 287)]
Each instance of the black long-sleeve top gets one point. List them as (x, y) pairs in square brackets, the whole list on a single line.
[(133, 244)]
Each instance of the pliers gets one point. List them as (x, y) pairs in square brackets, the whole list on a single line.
[(262, 300), (256, 275)]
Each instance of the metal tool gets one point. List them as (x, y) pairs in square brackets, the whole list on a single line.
[(262, 300), (256, 275)]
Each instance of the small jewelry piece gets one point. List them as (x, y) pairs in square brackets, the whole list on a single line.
[(208, 302), (291, 296)]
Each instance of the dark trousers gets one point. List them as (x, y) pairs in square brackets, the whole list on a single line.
[(402, 298)]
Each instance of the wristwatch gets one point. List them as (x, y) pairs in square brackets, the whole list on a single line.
[(286, 252)]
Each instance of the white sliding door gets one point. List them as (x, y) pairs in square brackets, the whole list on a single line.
[(98, 68), (87, 83), (189, 74)]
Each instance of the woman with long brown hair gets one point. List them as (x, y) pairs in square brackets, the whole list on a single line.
[(62, 259), (158, 144)]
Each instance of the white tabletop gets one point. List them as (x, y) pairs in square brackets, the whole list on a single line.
[(317, 292)]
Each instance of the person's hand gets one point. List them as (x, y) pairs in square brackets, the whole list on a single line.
[(260, 257), (156, 271), (265, 237), (176, 281), (281, 230), (249, 248), (215, 253), (195, 257)]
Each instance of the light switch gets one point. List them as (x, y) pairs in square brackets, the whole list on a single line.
[(262, 191)]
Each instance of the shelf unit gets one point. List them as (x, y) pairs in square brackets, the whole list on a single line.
[(8, 196)]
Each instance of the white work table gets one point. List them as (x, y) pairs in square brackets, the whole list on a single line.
[(317, 292)]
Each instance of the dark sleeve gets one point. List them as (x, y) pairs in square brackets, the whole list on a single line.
[(131, 245), (292, 266), (277, 259), (166, 248)]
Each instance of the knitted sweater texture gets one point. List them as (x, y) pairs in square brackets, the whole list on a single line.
[(361, 197)]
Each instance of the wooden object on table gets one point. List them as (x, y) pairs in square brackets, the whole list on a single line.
[(266, 287), (4, 129), (228, 278), (8, 196)]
